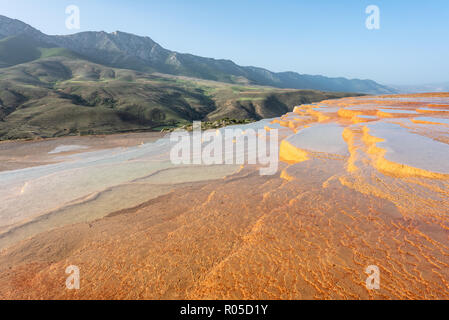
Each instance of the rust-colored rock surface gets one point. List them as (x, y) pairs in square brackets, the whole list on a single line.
[(362, 182)]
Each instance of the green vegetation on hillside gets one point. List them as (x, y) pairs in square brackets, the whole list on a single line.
[(207, 125), (56, 52), (15, 50), (21, 49), (63, 95)]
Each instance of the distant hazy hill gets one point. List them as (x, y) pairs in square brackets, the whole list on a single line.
[(434, 87), (124, 50)]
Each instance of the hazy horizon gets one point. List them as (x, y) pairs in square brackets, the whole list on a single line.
[(406, 50)]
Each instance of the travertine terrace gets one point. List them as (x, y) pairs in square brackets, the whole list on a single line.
[(362, 181)]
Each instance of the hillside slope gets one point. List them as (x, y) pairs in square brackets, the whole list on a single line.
[(61, 95), (19, 49)]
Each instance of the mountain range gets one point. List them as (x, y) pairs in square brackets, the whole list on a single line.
[(124, 50), (101, 83)]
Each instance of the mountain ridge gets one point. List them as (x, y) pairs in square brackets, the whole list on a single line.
[(60, 94), (128, 51)]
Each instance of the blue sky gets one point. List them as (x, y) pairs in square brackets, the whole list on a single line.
[(325, 37)]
